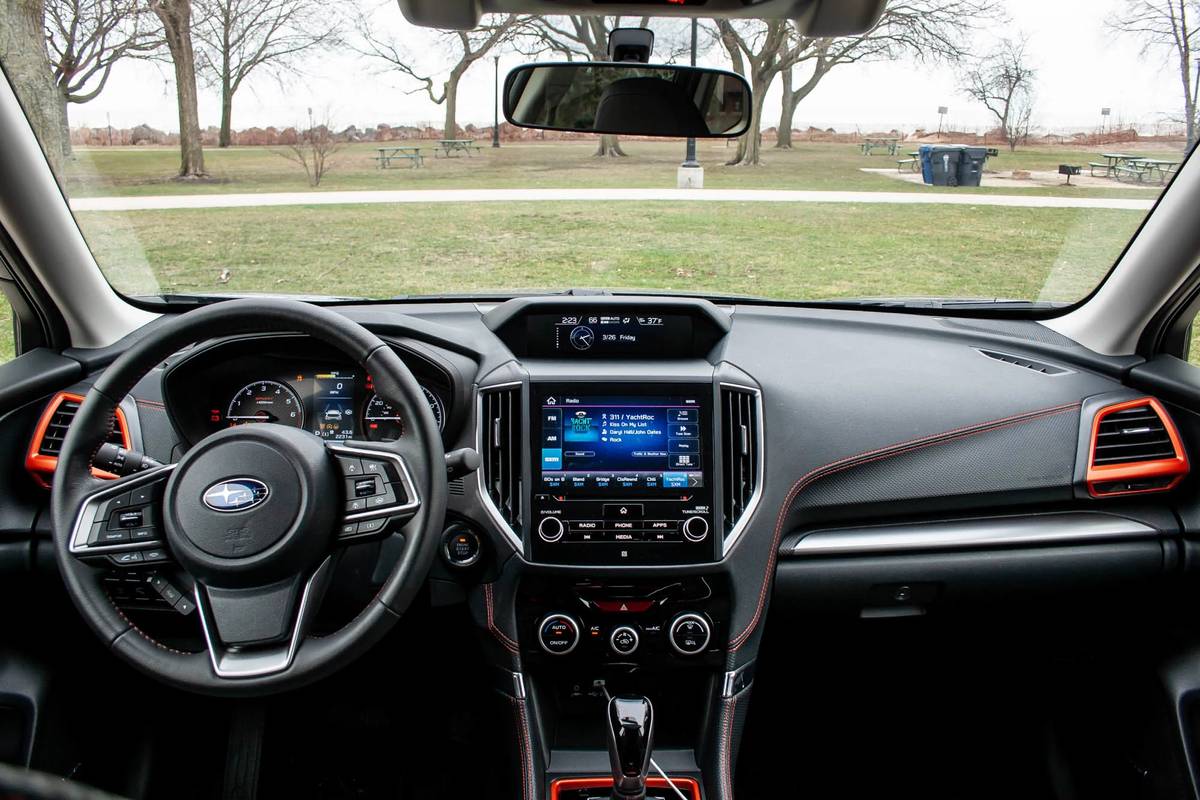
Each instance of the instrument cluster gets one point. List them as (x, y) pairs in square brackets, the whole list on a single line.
[(232, 384)]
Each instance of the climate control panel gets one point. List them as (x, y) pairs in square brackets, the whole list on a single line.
[(594, 621)]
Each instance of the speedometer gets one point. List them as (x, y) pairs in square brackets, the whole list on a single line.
[(383, 422), (266, 401)]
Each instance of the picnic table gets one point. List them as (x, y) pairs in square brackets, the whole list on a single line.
[(449, 147), (913, 162), (1113, 162), (1165, 167), (389, 154), (871, 143)]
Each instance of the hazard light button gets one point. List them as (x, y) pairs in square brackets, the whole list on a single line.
[(623, 606)]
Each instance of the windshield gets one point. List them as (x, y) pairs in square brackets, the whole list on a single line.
[(965, 150)]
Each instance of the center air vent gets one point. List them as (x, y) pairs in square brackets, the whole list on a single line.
[(501, 448), (1135, 448), (740, 454)]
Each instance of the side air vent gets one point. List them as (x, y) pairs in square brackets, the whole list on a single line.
[(1027, 363), (741, 454), (1135, 448), (44, 449), (501, 447)]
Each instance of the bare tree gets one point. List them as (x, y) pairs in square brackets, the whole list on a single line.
[(924, 30), (176, 18), (86, 38), (237, 37), (1171, 27), (1002, 81), (312, 151), (759, 51), (461, 49), (24, 59), (577, 36)]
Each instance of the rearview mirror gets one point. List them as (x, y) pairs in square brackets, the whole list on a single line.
[(629, 99)]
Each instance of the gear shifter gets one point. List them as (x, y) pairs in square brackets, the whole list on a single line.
[(630, 741)]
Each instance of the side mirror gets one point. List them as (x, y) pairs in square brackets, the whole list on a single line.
[(629, 99)]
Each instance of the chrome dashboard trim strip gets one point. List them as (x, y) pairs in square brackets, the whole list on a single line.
[(485, 497), (744, 520), (1059, 528)]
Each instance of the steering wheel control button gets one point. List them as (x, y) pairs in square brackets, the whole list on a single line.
[(689, 634), (351, 467), (107, 536), (128, 558), (623, 640), (372, 525), (461, 547), (550, 529), (695, 529), (558, 634)]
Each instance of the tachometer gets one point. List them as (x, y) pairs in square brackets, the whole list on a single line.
[(266, 401), (384, 424)]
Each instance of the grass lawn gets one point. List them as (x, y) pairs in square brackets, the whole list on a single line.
[(809, 250), (817, 166), (6, 330)]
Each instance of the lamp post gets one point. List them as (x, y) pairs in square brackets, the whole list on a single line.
[(689, 160), (496, 104)]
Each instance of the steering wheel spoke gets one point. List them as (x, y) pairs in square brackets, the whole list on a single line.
[(380, 493), (120, 522), (256, 631)]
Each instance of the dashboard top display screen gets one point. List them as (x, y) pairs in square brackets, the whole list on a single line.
[(620, 444), (613, 333)]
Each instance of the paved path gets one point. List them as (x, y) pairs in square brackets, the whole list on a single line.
[(591, 195)]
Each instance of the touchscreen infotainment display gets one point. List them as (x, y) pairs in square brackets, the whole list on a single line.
[(621, 444), (624, 476)]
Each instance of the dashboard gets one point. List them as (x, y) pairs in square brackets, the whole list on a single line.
[(294, 382)]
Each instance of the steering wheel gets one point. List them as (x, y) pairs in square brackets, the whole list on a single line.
[(253, 516)]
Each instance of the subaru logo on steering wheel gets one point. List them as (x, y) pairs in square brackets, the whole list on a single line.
[(235, 494)]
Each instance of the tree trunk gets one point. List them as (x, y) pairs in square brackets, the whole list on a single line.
[(1189, 104), (24, 58), (176, 17), (65, 121), (450, 128), (225, 138), (749, 153), (609, 147), (783, 137)]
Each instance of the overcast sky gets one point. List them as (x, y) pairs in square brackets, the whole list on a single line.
[(1081, 67)]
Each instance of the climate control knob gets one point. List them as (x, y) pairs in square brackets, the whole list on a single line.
[(689, 634), (623, 640), (558, 634), (550, 529), (695, 529)]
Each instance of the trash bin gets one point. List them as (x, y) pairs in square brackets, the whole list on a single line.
[(970, 165), (925, 152), (943, 165)]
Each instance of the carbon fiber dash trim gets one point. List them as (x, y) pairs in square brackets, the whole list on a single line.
[(1039, 454)]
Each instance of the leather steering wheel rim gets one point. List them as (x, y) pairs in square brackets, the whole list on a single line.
[(315, 656)]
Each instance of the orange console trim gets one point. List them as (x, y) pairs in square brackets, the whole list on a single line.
[(687, 785), (41, 467), (1175, 469)]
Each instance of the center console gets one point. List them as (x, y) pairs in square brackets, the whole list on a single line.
[(622, 473)]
